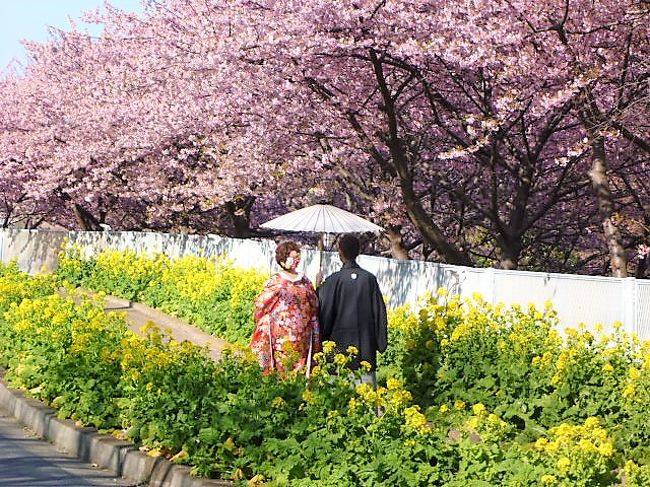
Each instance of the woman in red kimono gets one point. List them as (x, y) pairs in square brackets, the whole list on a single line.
[(286, 332)]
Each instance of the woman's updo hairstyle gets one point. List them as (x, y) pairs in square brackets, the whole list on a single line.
[(283, 250)]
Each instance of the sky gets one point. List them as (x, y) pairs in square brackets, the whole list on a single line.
[(29, 19)]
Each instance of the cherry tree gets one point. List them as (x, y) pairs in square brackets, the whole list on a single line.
[(485, 131), (435, 94)]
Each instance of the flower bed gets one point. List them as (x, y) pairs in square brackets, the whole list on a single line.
[(471, 394), (208, 293)]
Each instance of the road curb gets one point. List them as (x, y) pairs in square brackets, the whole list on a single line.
[(118, 456)]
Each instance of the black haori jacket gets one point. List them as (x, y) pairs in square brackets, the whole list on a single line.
[(352, 312)]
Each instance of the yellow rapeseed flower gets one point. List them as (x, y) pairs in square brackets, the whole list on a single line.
[(629, 391), (606, 449), (473, 423), (340, 359), (352, 350), (496, 421), (587, 446), (552, 446), (634, 373), (366, 392), (571, 332), (363, 389), (278, 402), (563, 430), (353, 404), (548, 479), (307, 396), (392, 384), (400, 397), (460, 331), (541, 443), (563, 465), (415, 420), (438, 323), (332, 414), (479, 409)]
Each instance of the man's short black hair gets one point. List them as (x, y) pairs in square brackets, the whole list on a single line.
[(349, 246)]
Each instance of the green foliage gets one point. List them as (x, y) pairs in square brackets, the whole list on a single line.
[(17, 285), (452, 353), (471, 394), (64, 353), (73, 266), (208, 293)]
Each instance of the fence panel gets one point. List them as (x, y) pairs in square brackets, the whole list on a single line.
[(578, 299), (643, 309)]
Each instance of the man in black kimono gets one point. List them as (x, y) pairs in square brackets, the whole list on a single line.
[(352, 309)]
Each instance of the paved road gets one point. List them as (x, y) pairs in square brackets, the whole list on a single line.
[(28, 461)]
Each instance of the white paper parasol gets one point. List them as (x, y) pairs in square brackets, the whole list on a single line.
[(322, 219)]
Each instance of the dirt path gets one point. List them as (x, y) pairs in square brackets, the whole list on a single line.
[(137, 315)]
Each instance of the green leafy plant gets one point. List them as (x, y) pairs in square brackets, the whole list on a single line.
[(209, 293), (470, 393)]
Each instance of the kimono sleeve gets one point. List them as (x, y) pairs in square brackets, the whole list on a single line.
[(266, 300)]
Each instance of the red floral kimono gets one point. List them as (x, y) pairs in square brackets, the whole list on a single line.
[(286, 324)]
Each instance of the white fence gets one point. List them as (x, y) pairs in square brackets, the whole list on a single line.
[(577, 299)]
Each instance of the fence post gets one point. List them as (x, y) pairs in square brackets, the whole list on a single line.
[(3, 232), (487, 288), (629, 298)]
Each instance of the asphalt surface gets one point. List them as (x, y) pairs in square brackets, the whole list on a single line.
[(26, 460)]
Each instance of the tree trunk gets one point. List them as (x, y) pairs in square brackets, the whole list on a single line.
[(397, 249), (7, 217), (85, 219), (431, 233), (509, 253), (600, 184), (239, 212), (641, 267)]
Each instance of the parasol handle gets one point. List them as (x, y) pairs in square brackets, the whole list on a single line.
[(321, 246)]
